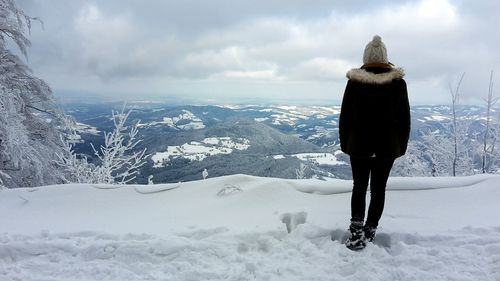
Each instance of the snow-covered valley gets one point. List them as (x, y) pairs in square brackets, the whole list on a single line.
[(262, 229), (271, 140)]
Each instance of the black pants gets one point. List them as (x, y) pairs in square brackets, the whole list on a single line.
[(378, 170)]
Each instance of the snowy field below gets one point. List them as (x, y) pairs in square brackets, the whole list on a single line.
[(249, 228)]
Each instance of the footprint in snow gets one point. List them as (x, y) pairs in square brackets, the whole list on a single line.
[(292, 220)]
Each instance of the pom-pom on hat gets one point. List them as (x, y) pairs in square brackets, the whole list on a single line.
[(375, 52)]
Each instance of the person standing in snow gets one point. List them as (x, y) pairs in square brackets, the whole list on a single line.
[(374, 128)]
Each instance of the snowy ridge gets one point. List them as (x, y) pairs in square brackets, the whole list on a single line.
[(397, 183), (143, 189), (272, 229)]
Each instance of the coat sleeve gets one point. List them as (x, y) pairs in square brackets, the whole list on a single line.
[(345, 118), (405, 118)]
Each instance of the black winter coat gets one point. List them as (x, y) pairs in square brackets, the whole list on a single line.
[(375, 114)]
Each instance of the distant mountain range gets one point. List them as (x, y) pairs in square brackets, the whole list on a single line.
[(258, 140)]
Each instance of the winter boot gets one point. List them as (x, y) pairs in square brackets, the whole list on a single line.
[(369, 232), (356, 240)]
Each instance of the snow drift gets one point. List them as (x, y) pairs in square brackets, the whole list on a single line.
[(248, 228)]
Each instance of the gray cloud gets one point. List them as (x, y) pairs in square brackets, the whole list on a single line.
[(238, 49)]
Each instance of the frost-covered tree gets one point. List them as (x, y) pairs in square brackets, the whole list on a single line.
[(300, 173), (29, 116), (412, 164), (455, 99), (490, 131), (449, 151), (118, 162), (494, 165)]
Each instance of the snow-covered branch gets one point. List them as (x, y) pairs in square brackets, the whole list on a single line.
[(118, 160)]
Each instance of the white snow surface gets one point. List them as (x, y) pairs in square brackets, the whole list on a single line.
[(432, 229), (261, 119), (85, 129), (191, 122), (198, 151), (320, 158)]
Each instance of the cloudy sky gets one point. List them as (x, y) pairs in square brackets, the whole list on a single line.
[(272, 50)]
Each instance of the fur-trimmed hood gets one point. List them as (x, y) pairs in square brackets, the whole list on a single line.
[(363, 76)]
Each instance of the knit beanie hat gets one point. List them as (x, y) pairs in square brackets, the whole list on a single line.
[(375, 52)]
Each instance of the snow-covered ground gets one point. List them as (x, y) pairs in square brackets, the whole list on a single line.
[(85, 129), (318, 158), (290, 115), (197, 151), (185, 121), (259, 229)]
